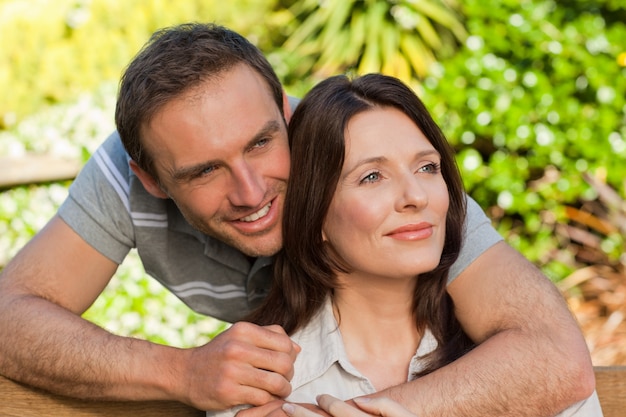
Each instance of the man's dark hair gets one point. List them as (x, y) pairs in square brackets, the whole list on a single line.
[(173, 61)]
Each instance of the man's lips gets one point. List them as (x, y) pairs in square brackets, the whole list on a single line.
[(257, 215), (416, 231)]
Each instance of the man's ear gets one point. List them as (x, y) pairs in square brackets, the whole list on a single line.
[(286, 107), (149, 183)]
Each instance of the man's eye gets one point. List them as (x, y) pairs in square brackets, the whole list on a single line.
[(207, 170), (261, 143)]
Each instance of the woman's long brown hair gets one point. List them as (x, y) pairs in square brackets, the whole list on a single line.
[(304, 271)]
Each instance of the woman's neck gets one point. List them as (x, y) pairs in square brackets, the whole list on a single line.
[(378, 327)]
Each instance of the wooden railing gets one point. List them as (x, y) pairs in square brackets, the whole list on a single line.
[(31, 169), (17, 400), (611, 388)]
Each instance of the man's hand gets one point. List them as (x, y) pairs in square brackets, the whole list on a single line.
[(246, 364), (531, 358)]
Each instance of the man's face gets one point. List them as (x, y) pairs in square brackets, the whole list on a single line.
[(221, 153)]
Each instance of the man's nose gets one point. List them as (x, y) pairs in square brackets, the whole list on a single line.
[(247, 186)]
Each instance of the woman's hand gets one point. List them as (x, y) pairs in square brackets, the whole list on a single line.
[(380, 406)]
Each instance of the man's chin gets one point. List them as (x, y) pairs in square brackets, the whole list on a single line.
[(266, 243), (259, 248), (258, 253)]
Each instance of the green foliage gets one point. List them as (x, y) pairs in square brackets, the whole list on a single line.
[(398, 37), (133, 304), (71, 130), (54, 50), (535, 99), (23, 212), (138, 306), (532, 101), (61, 60)]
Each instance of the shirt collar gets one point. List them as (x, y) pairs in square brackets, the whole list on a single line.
[(322, 346)]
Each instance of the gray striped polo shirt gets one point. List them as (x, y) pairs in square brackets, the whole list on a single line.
[(109, 208)]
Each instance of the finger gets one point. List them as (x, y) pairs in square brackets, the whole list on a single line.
[(338, 408), (232, 394), (264, 349), (272, 371), (276, 344), (242, 383), (279, 330), (270, 409), (278, 363), (266, 337), (300, 410), (271, 382), (382, 406)]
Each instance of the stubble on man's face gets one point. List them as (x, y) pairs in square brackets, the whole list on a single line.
[(224, 160)]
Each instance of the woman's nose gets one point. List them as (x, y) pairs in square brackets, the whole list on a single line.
[(411, 193)]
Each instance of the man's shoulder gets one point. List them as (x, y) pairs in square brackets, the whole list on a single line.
[(111, 161), (113, 147), (106, 177)]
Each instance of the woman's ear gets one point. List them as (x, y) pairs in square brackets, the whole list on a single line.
[(148, 181)]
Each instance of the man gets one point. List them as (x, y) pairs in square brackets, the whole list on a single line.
[(198, 188)]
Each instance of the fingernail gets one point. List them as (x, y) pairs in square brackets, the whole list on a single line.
[(289, 408), (362, 400)]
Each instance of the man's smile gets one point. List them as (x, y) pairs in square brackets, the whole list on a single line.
[(256, 216)]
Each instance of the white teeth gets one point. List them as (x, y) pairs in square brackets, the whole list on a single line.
[(258, 214)]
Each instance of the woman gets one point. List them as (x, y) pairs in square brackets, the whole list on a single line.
[(374, 200), (373, 219)]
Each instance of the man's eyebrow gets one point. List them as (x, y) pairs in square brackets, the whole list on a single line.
[(185, 173), (269, 128)]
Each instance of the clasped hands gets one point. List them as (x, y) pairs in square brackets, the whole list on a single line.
[(250, 364), (331, 406)]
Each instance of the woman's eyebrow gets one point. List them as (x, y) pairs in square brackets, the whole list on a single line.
[(380, 159)]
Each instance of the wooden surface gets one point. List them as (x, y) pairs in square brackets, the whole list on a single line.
[(611, 387), (32, 169), (17, 400)]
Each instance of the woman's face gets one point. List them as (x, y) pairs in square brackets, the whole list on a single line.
[(388, 214)]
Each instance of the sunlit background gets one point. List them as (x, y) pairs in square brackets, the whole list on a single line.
[(531, 94)]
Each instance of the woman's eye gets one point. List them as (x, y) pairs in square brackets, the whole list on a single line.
[(431, 168), (371, 177)]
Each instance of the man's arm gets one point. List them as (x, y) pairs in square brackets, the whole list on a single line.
[(531, 360), (44, 341)]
